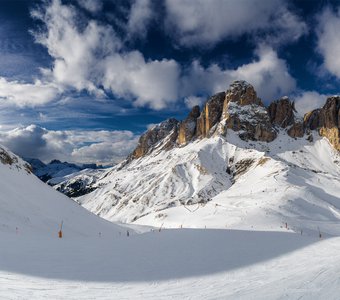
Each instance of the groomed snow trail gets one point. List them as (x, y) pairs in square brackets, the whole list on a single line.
[(172, 264)]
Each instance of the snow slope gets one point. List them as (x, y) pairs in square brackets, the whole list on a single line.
[(97, 260), (227, 183), (30, 207), (172, 264)]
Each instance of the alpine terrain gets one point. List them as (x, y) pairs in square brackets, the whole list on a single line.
[(241, 201), (235, 164)]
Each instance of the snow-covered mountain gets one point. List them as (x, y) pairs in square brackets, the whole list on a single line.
[(94, 260), (55, 171), (30, 207), (236, 164), (68, 178)]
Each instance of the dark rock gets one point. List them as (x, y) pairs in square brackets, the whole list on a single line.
[(244, 112), (281, 112), (162, 136), (311, 119), (187, 128), (296, 130), (330, 121), (326, 120), (210, 115)]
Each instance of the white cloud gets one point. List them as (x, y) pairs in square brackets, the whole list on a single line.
[(93, 6), (329, 40), (192, 101), (73, 146), (91, 57), (75, 51), (153, 83), (141, 14), (202, 22), (27, 94), (268, 74), (309, 100)]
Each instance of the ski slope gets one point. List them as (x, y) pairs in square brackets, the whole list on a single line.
[(254, 256), (172, 264)]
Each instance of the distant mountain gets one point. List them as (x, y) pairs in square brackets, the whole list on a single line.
[(68, 178), (54, 169), (235, 164)]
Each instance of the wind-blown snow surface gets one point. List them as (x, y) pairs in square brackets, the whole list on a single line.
[(291, 181)]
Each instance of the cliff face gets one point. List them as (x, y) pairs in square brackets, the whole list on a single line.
[(210, 116), (187, 128), (326, 120), (282, 114), (244, 112), (162, 136), (241, 110)]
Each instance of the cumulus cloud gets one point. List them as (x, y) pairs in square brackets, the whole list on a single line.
[(88, 54), (103, 147), (140, 15), (75, 50), (27, 94), (268, 74), (309, 100), (151, 83), (201, 22), (329, 40), (92, 57), (93, 6)]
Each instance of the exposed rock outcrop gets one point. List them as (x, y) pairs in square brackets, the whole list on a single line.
[(211, 115), (282, 114), (187, 128), (242, 93), (241, 110), (162, 136), (311, 120), (326, 120), (244, 112), (296, 130)]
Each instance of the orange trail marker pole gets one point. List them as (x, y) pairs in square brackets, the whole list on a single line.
[(60, 233)]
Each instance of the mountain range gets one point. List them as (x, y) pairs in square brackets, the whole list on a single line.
[(234, 163)]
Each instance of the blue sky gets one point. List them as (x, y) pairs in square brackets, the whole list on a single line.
[(81, 79)]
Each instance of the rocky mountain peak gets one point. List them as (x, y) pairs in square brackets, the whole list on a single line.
[(241, 110), (245, 113), (243, 93)]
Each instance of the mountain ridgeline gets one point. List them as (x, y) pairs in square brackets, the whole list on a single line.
[(241, 110)]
